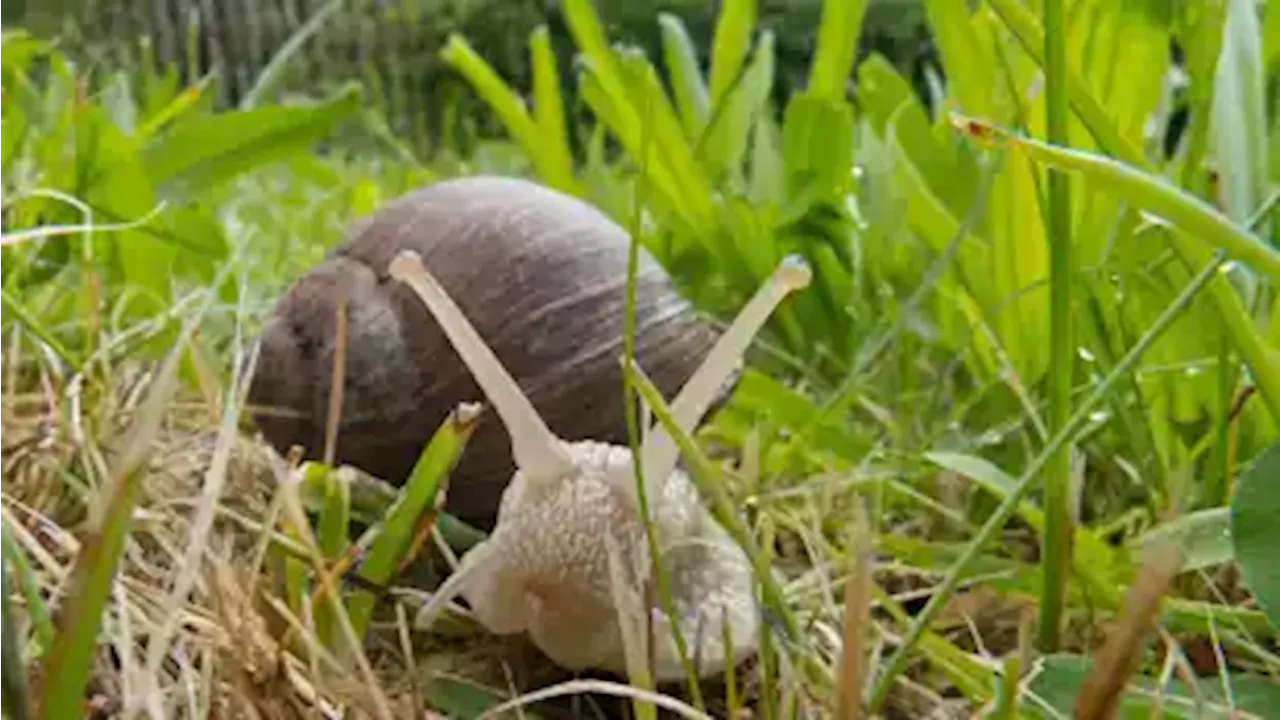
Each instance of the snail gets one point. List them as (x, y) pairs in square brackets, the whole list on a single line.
[(543, 277), (568, 559)]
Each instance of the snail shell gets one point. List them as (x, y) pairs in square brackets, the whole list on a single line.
[(543, 277)]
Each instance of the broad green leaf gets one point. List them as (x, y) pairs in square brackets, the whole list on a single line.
[(202, 152), (389, 542), (1255, 515), (1056, 680)]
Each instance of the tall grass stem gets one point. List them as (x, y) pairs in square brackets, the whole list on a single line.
[(1057, 483)]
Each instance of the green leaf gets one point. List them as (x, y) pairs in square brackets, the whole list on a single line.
[(1255, 515), (1058, 679), (1203, 536), (202, 152)]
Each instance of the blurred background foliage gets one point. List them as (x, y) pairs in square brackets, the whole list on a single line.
[(393, 45)]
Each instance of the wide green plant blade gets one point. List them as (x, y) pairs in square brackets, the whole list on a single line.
[(203, 151), (412, 512), (1255, 515)]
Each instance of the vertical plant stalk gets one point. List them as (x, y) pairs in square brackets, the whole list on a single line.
[(1058, 531)]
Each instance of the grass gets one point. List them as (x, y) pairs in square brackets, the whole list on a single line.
[(936, 447)]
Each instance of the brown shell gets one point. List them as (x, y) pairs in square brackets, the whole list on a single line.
[(540, 274)]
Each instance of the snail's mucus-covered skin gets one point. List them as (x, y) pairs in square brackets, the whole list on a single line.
[(541, 275)]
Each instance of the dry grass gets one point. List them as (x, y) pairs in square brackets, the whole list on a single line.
[(193, 629)]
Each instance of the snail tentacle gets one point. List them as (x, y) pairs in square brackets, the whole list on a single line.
[(659, 453), (537, 451)]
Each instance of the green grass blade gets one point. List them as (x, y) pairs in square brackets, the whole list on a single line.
[(412, 512), (943, 591), (549, 157), (722, 508), (729, 46), (838, 33), (692, 99), (37, 612), (1149, 192), (548, 111), (1057, 483)]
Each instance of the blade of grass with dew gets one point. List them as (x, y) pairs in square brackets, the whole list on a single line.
[(1202, 226), (389, 541), (13, 686), (66, 667), (942, 593), (1059, 522)]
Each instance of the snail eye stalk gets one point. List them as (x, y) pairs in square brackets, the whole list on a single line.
[(538, 453)]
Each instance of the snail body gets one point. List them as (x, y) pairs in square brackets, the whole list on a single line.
[(540, 274), (568, 561)]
